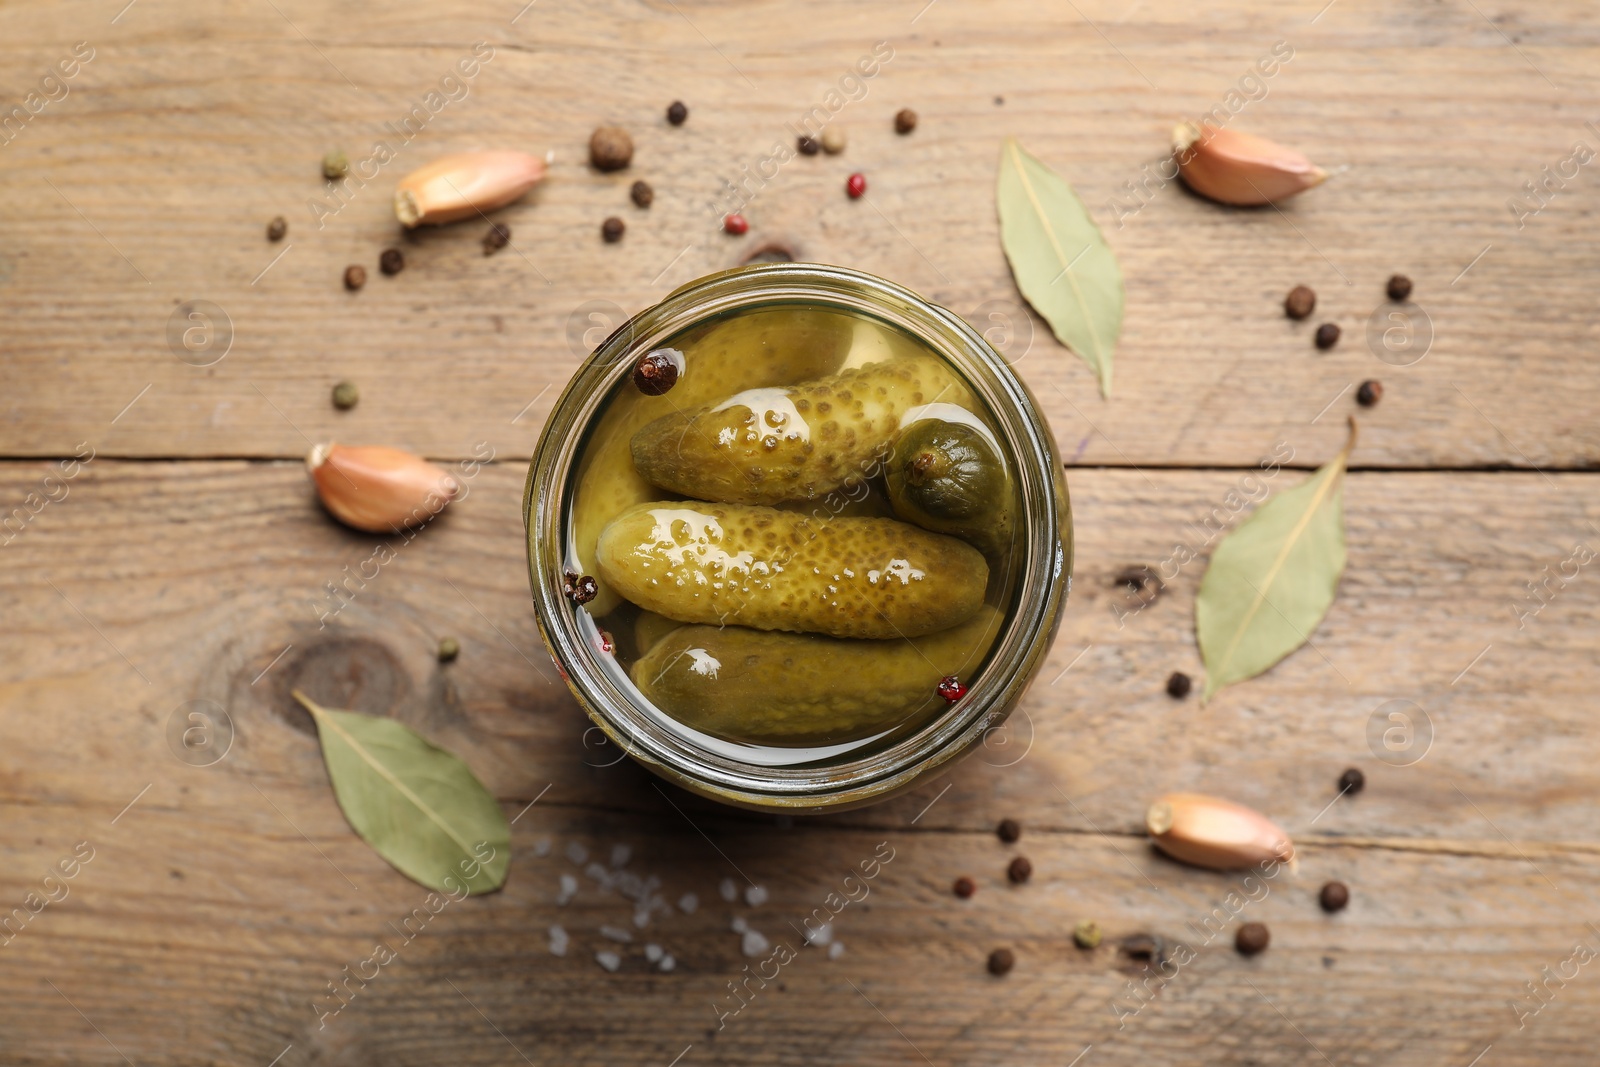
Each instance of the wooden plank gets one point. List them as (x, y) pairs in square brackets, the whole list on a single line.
[(149, 184), (236, 935), (228, 896)]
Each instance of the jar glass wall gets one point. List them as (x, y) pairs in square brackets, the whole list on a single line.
[(808, 749)]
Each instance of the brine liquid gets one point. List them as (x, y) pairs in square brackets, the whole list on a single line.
[(756, 409)]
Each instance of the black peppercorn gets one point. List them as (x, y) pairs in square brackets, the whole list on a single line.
[(964, 887), (355, 277), (610, 148), (1352, 781), (1009, 830), (1369, 393), (1252, 938), (497, 237), (1178, 685), (393, 261), (656, 372), (612, 229), (1334, 897), (677, 112), (580, 588), (1399, 288), (1327, 335), (1020, 870), (905, 120), (642, 194), (1300, 302), (808, 146), (277, 228), (1001, 960)]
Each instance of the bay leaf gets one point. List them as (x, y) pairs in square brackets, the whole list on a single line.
[(1273, 578), (419, 806), (1059, 258)]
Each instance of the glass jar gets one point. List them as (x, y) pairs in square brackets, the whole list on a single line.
[(1042, 574)]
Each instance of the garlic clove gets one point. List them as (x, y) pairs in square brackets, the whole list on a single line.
[(1239, 168), (463, 185), (1215, 833), (377, 489)]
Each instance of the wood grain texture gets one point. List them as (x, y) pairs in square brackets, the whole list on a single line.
[(150, 184), (236, 891), (183, 568)]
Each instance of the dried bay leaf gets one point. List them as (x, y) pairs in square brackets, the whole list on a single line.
[(1273, 578), (1062, 264), (419, 806)]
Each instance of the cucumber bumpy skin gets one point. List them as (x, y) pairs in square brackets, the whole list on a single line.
[(733, 564), (767, 446), (947, 476), (750, 351), (770, 688)]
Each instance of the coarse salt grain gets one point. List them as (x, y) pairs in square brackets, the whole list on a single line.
[(738, 925), (755, 896), (542, 847), (729, 890), (641, 919), (609, 960), (616, 933), (558, 941), (569, 888), (599, 874), (821, 935), (688, 903), (836, 950), (577, 853), (653, 953), (754, 944), (667, 963), (620, 855)]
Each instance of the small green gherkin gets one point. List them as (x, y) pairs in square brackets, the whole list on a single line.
[(775, 688), (945, 475), (797, 442), (744, 565)]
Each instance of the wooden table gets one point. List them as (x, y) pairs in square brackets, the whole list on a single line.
[(186, 560)]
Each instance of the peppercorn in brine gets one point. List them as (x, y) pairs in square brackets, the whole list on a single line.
[(799, 523)]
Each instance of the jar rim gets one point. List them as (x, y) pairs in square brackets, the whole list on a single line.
[(1041, 590)]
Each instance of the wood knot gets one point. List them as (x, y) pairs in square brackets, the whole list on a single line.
[(352, 673), (1139, 583)]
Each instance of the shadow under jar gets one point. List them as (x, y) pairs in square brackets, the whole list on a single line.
[(828, 559)]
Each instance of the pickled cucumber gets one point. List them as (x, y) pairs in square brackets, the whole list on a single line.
[(945, 474), (731, 564), (790, 689), (769, 445), (649, 628), (750, 351)]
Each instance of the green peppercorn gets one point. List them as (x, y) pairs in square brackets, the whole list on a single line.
[(345, 395), (1086, 934), (335, 165), (449, 649)]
